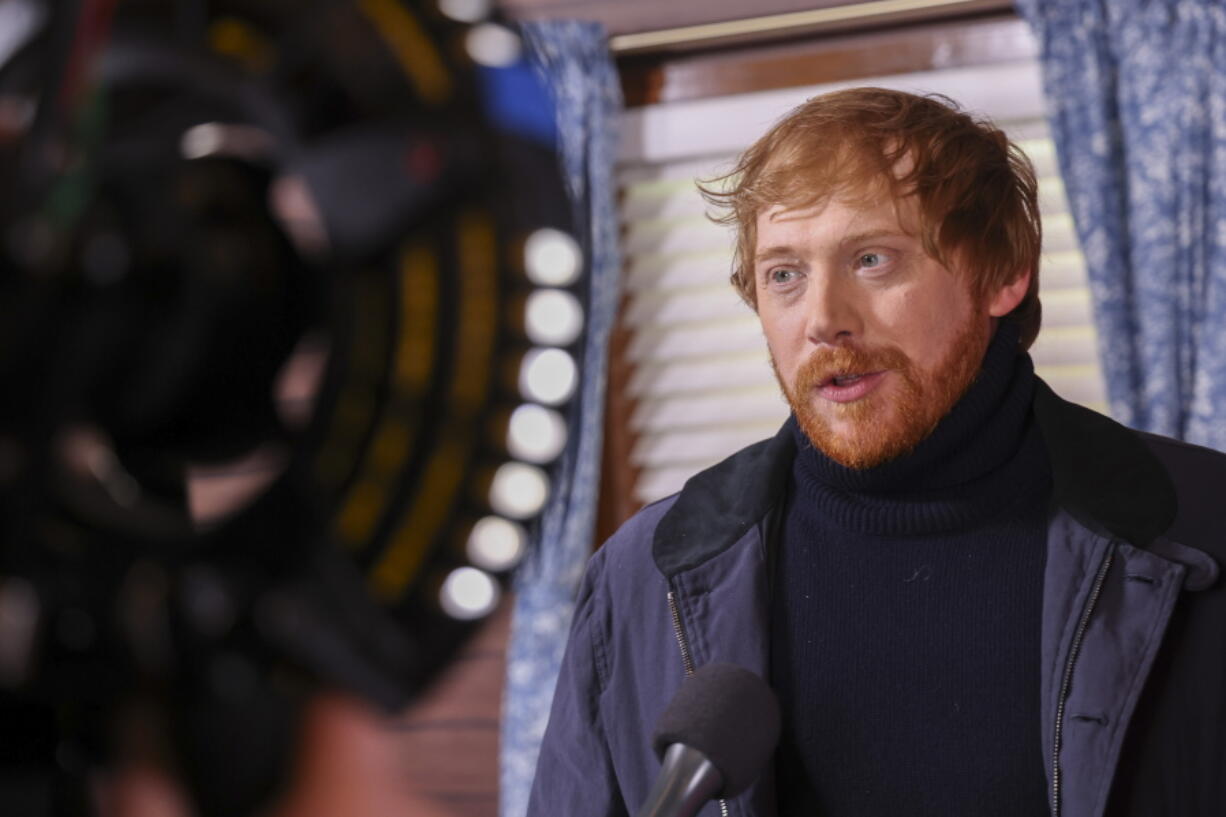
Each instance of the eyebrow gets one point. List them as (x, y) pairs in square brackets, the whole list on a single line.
[(782, 251), (788, 251), (869, 235)]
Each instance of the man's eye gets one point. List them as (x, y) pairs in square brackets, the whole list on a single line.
[(782, 276), (871, 260)]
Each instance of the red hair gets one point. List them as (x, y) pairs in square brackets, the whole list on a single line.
[(976, 191)]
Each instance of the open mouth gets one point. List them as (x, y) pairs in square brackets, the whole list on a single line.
[(848, 387), (846, 379)]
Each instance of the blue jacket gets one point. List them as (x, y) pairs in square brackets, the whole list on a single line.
[(1133, 670)]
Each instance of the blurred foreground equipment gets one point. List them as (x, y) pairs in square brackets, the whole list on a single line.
[(204, 206)]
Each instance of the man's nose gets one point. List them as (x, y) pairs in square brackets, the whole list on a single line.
[(832, 315)]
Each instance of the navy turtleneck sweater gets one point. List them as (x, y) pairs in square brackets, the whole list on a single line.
[(905, 617)]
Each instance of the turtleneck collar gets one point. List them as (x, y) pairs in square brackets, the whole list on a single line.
[(985, 455)]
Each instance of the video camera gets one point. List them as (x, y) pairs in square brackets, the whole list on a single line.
[(331, 237)]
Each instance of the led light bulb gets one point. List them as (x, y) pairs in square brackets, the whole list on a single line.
[(536, 434), (496, 544), (201, 141), (552, 258), (548, 376), (465, 11), (553, 317), (468, 593), (519, 490), (493, 46)]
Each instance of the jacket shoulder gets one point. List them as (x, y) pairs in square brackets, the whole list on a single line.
[(718, 505), (622, 569), (631, 543), (1198, 476), (1184, 457)]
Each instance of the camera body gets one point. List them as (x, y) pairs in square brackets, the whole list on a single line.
[(203, 202)]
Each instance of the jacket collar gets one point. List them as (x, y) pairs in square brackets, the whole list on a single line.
[(718, 506), (1103, 474)]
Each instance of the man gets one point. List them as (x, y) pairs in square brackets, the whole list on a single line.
[(972, 597)]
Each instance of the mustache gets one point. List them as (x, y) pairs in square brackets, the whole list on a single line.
[(828, 362)]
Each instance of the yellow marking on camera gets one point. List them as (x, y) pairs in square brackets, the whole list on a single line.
[(412, 48), (355, 403), (477, 332), (478, 323), (419, 303), (394, 437), (443, 480)]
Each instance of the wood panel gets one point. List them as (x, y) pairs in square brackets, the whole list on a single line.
[(450, 737), (622, 17), (631, 16), (653, 79)]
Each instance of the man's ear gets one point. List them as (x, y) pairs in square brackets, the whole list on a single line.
[(1005, 299)]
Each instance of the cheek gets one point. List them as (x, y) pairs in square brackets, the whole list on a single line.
[(922, 323), (934, 328), (785, 338)]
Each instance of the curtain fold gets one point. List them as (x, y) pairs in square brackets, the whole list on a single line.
[(1136, 95), (573, 57)]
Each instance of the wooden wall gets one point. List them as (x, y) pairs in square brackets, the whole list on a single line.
[(450, 737), (635, 16)]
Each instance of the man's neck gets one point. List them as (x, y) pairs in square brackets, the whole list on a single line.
[(985, 451)]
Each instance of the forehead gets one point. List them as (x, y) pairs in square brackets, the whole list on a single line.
[(839, 218)]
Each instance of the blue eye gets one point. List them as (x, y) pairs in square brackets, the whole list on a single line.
[(871, 260), (782, 275)]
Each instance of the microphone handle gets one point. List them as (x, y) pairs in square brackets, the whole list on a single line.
[(687, 780)]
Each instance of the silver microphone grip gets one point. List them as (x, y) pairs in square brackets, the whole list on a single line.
[(687, 780)]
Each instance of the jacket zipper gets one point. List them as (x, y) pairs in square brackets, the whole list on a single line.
[(1067, 681), (687, 659)]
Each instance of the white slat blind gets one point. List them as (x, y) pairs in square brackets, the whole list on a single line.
[(702, 381)]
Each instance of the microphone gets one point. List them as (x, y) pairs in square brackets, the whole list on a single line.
[(713, 739)]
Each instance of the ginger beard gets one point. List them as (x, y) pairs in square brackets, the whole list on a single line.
[(883, 426)]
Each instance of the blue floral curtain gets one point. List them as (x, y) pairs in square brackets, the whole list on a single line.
[(574, 59), (1137, 102)]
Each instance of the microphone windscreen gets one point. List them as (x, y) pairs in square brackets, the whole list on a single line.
[(730, 715)]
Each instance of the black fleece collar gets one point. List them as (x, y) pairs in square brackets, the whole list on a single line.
[(1103, 474)]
